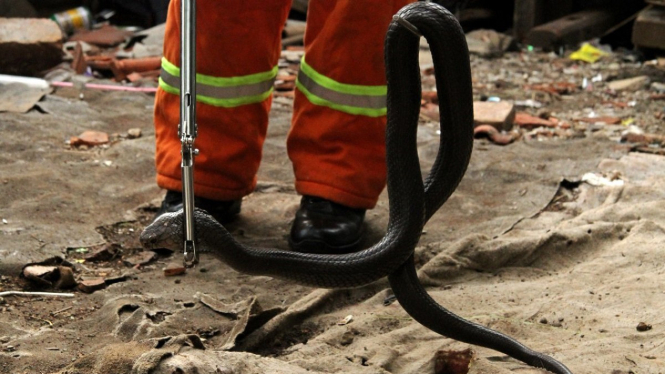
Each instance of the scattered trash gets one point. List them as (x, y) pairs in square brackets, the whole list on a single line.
[(528, 103), (38, 294), (598, 180), (346, 320), (73, 20), (628, 121), (107, 87), (587, 53)]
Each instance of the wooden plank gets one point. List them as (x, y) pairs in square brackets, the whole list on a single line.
[(528, 14), (574, 28), (649, 28)]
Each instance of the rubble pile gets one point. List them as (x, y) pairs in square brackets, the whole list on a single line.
[(537, 95)]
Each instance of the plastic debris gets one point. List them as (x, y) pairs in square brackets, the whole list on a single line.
[(587, 53)]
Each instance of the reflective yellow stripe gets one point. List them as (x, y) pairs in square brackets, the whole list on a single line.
[(223, 81), (349, 98), (342, 108), (352, 89), (221, 91)]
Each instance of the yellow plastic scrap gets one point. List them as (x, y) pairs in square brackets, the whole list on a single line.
[(587, 53), (628, 121)]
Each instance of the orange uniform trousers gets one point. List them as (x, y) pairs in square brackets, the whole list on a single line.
[(337, 152)]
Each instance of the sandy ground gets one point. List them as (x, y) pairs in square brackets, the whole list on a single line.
[(526, 246)]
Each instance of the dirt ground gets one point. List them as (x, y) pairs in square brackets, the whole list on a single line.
[(554, 239)]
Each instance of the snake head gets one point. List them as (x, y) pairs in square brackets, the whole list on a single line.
[(166, 231)]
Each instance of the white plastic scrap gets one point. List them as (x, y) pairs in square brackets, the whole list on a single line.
[(346, 320), (598, 180)]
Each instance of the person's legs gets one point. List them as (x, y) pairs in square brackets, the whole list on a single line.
[(337, 141), (238, 47)]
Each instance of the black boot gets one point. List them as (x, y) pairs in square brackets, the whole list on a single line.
[(222, 211), (322, 226)]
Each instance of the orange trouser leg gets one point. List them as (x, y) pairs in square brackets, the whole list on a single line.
[(235, 38), (335, 154)]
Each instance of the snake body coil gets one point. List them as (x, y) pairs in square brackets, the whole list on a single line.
[(412, 201)]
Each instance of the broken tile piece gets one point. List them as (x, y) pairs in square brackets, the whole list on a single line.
[(174, 269), (526, 120), (105, 36), (140, 258)]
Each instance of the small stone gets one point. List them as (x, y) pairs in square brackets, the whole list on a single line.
[(5, 339), (92, 285), (630, 84), (643, 327), (347, 338), (174, 269), (658, 87), (134, 133), (543, 321)]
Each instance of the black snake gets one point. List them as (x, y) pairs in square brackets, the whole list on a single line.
[(412, 201)]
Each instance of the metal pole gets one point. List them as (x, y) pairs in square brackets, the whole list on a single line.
[(188, 130)]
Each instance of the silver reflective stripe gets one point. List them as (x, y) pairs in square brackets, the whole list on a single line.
[(231, 92), (361, 101)]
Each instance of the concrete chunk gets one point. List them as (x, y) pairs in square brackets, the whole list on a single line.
[(499, 115), (29, 45)]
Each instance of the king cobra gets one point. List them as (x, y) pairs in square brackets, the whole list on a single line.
[(412, 200)]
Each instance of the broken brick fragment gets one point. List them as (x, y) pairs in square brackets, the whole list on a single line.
[(89, 138), (498, 114)]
